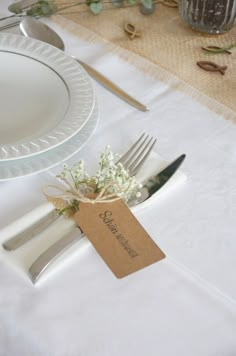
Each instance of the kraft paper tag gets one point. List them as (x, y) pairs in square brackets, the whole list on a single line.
[(118, 237)]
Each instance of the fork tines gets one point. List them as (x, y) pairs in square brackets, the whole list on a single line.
[(138, 153)]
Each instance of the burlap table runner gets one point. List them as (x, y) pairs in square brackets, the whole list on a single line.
[(166, 42)]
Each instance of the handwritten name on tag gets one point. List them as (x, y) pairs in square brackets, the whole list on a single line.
[(118, 237)]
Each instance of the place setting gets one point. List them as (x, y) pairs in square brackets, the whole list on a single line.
[(52, 122), (117, 177), (50, 111)]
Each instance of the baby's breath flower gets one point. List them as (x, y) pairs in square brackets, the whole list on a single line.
[(110, 178)]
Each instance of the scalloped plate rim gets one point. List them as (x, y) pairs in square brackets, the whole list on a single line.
[(36, 164), (73, 76)]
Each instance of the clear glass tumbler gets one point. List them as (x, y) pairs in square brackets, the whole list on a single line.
[(209, 16)]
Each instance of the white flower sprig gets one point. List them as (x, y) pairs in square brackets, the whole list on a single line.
[(110, 182)]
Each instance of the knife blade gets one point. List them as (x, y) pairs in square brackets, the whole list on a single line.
[(155, 182), (151, 186)]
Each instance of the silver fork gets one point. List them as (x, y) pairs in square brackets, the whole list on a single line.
[(132, 160)]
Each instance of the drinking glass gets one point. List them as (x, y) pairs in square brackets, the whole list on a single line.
[(209, 16)]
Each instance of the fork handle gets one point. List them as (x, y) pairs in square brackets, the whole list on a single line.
[(30, 231), (46, 259)]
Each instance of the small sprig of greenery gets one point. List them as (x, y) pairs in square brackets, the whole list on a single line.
[(211, 50), (35, 8), (110, 182), (49, 7)]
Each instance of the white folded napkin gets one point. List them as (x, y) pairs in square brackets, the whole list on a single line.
[(23, 257)]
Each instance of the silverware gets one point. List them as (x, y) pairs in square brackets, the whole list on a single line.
[(33, 28), (16, 22), (30, 232), (154, 183), (133, 160), (19, 10), (46, 259)]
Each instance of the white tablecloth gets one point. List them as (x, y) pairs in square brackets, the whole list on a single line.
[(184, 305)]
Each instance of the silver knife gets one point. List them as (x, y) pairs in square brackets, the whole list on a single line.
[(112, 87), (155, 182), (150, 187)]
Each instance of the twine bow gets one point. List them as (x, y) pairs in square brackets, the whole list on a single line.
[(65, 200)]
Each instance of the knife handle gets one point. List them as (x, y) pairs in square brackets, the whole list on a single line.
[(46, 259), (112, 87)]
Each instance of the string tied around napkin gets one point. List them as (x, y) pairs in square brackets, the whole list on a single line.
[(110, 182), (69, 199)]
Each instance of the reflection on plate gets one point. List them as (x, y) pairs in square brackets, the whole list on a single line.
[(41, 162), (46, 97)]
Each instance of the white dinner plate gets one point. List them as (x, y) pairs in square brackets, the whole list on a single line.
[(46, 97), (43, 161)]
